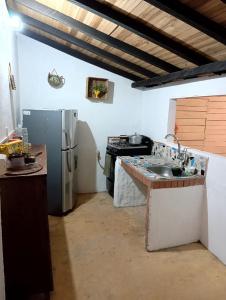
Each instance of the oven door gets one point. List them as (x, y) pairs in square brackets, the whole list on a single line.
[(111, 178)]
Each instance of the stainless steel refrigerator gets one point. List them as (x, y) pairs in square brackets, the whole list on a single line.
[(58, 130)]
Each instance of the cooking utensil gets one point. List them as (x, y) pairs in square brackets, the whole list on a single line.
[(135, 139), (15, 160)]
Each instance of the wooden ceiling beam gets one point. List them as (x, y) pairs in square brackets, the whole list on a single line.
[(191, 17), (80, 43), (215, 67), (79, 55), (98, 35), (147, 32)]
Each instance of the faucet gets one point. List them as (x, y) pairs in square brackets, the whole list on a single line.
[(180, 155)]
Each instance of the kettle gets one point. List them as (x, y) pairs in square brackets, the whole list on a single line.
[(135, 139)]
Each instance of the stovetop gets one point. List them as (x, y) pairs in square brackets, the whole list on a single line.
[(119, 145), (127, 149), (125, 145)]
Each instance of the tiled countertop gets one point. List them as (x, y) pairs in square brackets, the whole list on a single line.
[(135, 166)]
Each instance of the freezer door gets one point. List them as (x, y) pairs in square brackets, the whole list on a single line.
[(66, 181), (66, 128), (69, 132)]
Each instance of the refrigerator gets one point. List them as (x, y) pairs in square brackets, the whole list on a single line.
[(57, 129)]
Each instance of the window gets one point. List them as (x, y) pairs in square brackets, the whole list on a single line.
[(201, 123)]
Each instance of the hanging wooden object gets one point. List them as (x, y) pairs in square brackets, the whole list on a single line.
[(97, 88), (12, 83)]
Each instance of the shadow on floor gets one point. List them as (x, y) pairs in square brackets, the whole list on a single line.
[(87, 157), (84, 198), (62, 273)]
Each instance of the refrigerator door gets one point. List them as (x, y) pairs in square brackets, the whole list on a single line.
[(66, 181), (44, 127), (74, 171), (69, 176)]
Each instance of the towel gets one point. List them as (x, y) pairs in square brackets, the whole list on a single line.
[(107, 165)]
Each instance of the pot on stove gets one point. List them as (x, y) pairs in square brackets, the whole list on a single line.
[(135, 139)]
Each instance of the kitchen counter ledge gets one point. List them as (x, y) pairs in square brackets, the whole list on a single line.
[(158, 182)]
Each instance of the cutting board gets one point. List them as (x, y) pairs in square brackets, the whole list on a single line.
[(24, 170)]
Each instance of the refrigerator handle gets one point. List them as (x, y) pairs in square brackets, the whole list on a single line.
[(67, 139), (68, 164)]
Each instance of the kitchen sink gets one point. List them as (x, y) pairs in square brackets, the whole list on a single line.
[(168, 172), (161, 170)]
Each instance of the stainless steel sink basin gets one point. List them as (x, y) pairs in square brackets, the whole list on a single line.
[(166, 172), (161, 170)]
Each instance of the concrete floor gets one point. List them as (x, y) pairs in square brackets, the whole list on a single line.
[(98, 253)]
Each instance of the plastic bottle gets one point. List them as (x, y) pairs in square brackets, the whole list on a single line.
[(25, 140), (22, 133), (18, 131)]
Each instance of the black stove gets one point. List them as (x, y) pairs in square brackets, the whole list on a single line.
[(124, 149), (120, 146)]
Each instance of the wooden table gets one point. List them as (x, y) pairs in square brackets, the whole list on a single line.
[(25, 231)]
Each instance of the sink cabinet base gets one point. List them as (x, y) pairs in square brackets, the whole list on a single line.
[(128, 191), (174, 216), (174, 208)]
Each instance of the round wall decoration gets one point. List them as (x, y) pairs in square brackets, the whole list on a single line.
[(55, 80)]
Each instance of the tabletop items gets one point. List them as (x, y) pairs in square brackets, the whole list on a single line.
[(163, 155), (190, 161), (16, 152)]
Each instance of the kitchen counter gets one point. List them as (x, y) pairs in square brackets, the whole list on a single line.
[(174, 206), (135, 166)]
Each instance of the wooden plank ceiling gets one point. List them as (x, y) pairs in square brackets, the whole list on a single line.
[(142, 40)]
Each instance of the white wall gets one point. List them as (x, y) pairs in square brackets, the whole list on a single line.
[(7, 97), (214, 227), (97, 120), (155, 109)]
